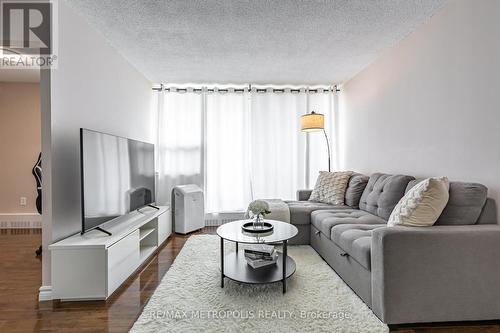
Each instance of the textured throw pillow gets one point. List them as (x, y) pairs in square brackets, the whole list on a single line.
[(330, 187), (422, 205)]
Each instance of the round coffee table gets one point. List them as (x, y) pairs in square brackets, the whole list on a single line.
[(235, 267)]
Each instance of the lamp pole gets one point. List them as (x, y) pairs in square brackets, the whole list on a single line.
[(328, 147)]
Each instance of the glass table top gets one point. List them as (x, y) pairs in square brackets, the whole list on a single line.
[(232, 231)]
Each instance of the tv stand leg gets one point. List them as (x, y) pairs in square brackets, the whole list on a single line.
[(101, 229)]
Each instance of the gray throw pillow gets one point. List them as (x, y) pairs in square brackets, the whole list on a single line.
[(355, 189)]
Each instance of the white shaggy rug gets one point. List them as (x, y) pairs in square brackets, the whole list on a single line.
[(190, 299)]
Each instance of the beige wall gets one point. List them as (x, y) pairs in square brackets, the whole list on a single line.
[(430, 105), (20, 144)]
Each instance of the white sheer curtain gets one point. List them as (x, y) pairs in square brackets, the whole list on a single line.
[(180, 142), (277, 145), (227, 172), (240, 146)]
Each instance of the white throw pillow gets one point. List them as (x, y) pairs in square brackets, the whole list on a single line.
[(422, 205), (330, 187)]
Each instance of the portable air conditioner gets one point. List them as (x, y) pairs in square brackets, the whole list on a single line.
[(188, 208)]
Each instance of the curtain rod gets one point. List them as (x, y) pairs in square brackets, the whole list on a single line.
[(248, 89)]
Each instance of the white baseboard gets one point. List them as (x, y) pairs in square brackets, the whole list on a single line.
[(217, 219), (45, 293), (21, 221)]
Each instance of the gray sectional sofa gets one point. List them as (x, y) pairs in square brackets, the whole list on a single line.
[(447, 272)]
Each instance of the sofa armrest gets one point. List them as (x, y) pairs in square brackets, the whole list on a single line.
[(303, 195), (439, 273)]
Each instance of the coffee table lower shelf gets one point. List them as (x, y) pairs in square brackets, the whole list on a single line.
[(236, 268)]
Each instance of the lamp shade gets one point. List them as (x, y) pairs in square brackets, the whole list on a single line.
[(312, 122)]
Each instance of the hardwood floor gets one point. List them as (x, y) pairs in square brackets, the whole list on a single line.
[(20, 278)]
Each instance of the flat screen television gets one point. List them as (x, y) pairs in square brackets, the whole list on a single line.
[(117, 174)]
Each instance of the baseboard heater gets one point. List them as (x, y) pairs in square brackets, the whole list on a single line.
[(20, 221), (217, 219)]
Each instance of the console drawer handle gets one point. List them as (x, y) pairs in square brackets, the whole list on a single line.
[(344, 254)]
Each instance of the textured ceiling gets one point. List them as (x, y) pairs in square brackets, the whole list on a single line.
[(260, 41)]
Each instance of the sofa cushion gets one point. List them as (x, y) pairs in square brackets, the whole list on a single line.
[(300, 211), (465, 204), (382, 193), (355, 240), (355, 188), (325, 220)]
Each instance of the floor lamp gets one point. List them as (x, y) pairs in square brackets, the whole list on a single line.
[(313, 122)]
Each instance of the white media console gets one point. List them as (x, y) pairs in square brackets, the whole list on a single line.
[(93, 265)]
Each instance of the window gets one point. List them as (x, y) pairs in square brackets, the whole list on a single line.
[(239, 146)]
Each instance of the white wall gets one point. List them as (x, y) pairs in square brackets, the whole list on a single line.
[(430, 105), (93, 87)]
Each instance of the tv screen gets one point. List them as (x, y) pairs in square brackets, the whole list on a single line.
[(118, 176)]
